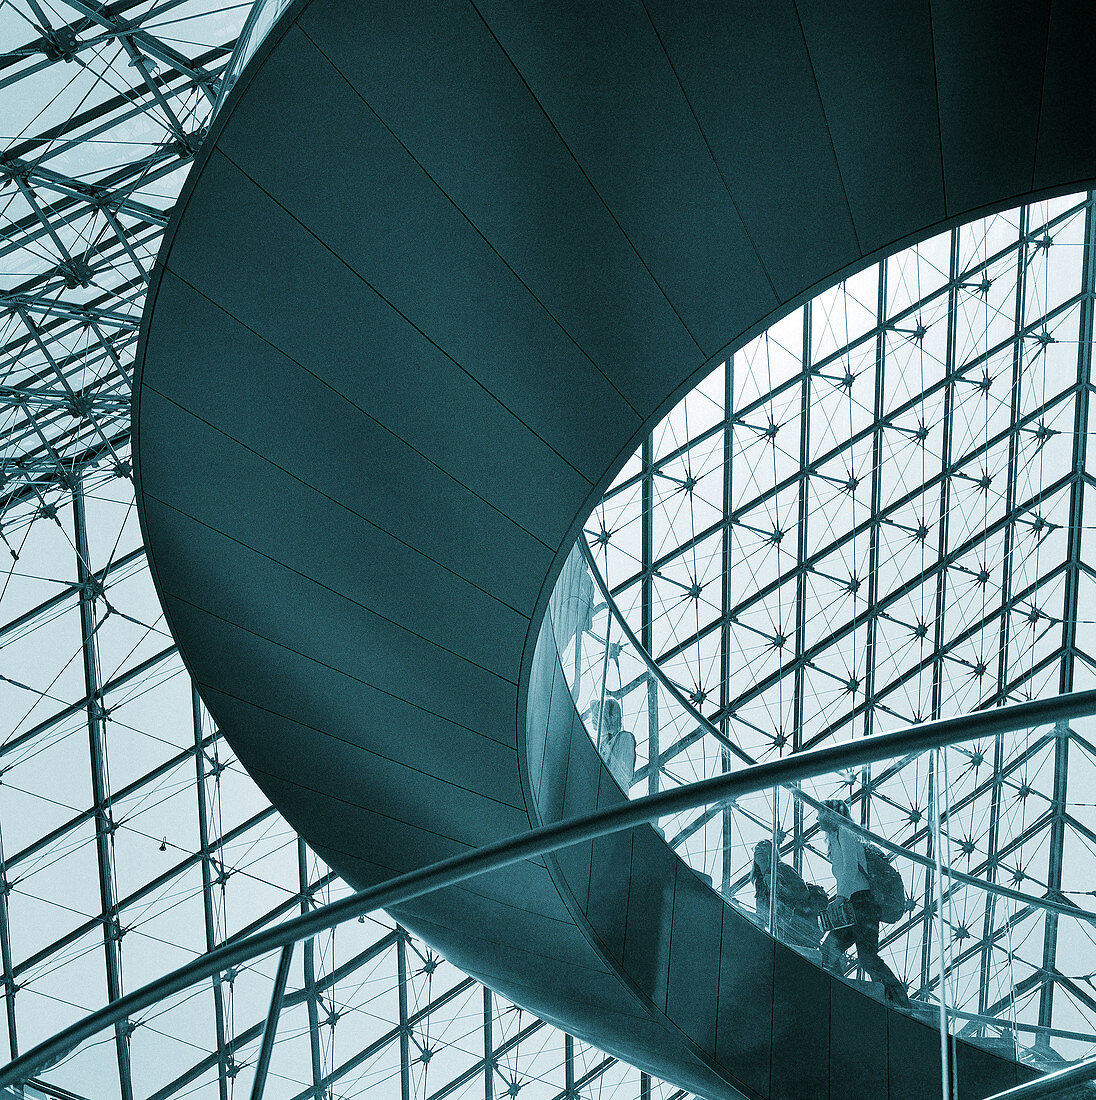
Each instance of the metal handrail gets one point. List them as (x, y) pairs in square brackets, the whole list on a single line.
[(1051, 1084), (550, 838)]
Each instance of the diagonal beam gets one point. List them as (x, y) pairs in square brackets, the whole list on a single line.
[(270, 1028)]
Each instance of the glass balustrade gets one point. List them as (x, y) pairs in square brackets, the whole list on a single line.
[(971, 932), (961, 939), (263, 15)]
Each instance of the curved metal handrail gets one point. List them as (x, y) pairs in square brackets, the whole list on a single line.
[(544, 840), (1051, 1084)]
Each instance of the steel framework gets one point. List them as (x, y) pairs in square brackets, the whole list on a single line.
[(875, 513), (130, 838), (533, 844)]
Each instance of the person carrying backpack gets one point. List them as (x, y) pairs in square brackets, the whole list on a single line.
[(848, 858)]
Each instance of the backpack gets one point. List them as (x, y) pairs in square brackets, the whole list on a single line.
[(885, 882)]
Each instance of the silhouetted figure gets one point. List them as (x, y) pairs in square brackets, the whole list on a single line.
[(845, 852), (798, 903), (572, 600), (616, 745)]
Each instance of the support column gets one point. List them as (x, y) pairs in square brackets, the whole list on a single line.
[(8, 976), (1069, 613), (488, 1045), (799, 685), (940, 638), (727, 760), (878, 414), (311, 995), (208, 909), (270, 1028), (646, 634), (405, 1027), (100, 794)]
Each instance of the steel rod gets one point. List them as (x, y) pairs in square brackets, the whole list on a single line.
[(270, 1031)]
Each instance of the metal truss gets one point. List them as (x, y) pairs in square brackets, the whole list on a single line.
[(131, 839), (872, 515)]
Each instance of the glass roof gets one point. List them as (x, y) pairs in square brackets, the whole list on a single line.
[(898, 468), (131, 840), (875, 514)]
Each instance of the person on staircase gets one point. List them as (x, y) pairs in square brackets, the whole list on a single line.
[(845, 852), (616, 744)]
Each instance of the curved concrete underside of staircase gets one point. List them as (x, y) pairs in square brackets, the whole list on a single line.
[(437, 270)]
